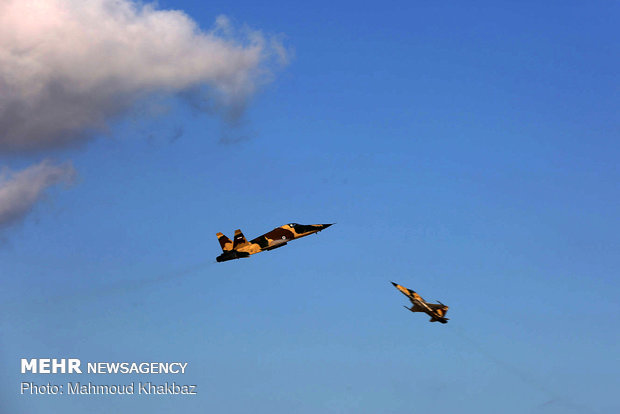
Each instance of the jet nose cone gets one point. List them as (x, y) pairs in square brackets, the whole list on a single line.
[(324, 226), (395, 284)]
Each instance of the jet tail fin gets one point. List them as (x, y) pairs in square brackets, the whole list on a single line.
[(225, 242), (239, 239)]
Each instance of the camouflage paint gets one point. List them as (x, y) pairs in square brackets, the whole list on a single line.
[(435, 310), (274, 239)]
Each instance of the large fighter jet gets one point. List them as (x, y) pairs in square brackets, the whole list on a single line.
[(277, 237), (435, 310)]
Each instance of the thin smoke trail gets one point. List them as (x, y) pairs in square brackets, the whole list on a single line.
[(150, 281), (552, 396), (119, 287)]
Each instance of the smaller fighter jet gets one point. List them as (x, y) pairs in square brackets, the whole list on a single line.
[(276, 238), (435, 310)]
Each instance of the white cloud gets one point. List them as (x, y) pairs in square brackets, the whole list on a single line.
[(68, 66), (19, 191)]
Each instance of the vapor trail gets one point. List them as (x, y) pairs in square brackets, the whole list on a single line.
[(552, 396), (131, 285), (119, 287)]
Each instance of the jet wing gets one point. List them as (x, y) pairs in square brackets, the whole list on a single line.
[(416, 308)]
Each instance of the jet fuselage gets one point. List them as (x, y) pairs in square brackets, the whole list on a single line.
[(274, 239), (435, 310)]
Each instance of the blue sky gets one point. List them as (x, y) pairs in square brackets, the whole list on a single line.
[(467, 152)]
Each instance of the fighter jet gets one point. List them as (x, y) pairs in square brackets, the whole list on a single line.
[(435, 310), (277, 237)]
